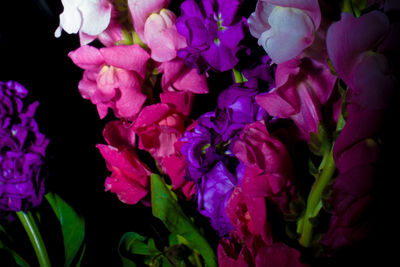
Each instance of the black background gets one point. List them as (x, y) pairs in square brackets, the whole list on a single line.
[(31, 55)]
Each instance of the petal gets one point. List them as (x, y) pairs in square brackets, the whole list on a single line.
[(96, 15), (129, 57), (350, 37), (87, 57), (290, 33), (71, 18)]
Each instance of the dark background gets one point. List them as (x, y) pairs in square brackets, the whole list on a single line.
[(31, 55)]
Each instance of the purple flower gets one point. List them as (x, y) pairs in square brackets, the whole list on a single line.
[(22, 148), (208, 150), (213, 31)]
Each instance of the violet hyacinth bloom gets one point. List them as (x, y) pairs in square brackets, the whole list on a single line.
[(22, 148), (213, 31)]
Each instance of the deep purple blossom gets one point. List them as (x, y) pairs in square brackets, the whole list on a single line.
[(208, 146), (213, 31), (22, 148)]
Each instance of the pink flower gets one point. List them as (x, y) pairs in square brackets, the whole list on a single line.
[(113, 78), (351, 44), (278, 255), (268, 171), (160, 125), (161, 36), (90, 17), (175, 167), (302, 87), (356, 155), (274, 255), (179, 77), (141, 10), (248, 214), (285, 27), (130, 178)]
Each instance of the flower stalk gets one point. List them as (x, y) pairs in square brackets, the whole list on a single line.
[(32, 230), (314, 204)]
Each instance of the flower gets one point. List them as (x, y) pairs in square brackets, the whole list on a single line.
[(22, 149), (356, 156), (88, 17), (268, 167), (130, 177), (113, 78), (285, 28), (179, 77), (161, 36), (302, 87), (354, 48), (213, 31), (141, 9)]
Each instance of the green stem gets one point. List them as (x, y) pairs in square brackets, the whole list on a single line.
[(32, 230), (314, 198)]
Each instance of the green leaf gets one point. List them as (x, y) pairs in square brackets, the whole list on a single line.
[(72, 227), (17, 258), (133, 243), (166, 209)]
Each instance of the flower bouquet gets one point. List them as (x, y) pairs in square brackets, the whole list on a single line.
[(252, 130)]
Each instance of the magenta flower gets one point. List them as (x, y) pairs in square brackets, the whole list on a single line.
[(285, 27), (302, 87), (160, 125), (113, 78), (268, 167), (130, 177), (179, 77), (353, 46), (213, 30), (22, 149), (356, 155)]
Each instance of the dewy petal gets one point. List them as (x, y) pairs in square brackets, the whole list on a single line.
[(290, 33), (96, 15)]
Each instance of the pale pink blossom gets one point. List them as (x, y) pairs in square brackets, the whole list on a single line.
[(113, 78), (141, 9), (89, 17), (285, 27), (161, 36)]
